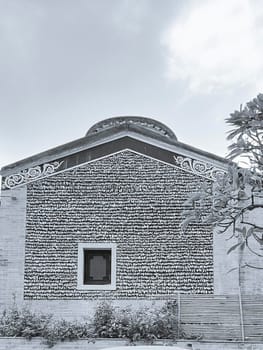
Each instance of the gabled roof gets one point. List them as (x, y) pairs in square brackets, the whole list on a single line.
[(143, 135)]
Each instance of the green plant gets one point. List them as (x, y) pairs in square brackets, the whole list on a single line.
[(62, 330), (16, 322), (228, 204), (22, 323), (103, 319), (141, 324), (108, 322), (151, 324), (167, 320)]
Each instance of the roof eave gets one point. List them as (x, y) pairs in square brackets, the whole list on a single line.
[(106, 136)]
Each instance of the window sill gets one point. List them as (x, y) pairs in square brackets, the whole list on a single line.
[(96, 287)]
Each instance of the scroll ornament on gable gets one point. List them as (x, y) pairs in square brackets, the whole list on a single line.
[(198, 167), (30, 174)]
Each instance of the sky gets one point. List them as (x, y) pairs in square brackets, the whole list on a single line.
[(67, 64)]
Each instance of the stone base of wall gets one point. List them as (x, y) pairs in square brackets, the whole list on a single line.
[(37, 343)]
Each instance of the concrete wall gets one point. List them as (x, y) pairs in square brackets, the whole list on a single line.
[(12, 243), (252, 278), (225, 282)]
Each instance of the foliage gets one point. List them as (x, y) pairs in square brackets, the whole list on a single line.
[(103, 321), (22, 323), (16, 322), (247, 135), (62, 330), (235, 193), (108, 322), (141, 324)]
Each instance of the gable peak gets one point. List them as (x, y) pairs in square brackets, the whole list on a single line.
[(131, 122)]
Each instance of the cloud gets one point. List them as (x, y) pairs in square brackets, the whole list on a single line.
[(216, 45)]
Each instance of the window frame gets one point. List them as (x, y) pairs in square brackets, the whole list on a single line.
[(96, 246)]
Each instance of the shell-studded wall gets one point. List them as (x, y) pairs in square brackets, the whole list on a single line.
[(127, 199)]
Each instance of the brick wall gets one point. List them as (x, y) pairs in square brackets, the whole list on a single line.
[(127, 199)]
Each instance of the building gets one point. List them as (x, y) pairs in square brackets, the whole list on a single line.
[(99, 218)]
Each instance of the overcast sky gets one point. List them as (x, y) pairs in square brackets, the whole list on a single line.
[(67, 64)]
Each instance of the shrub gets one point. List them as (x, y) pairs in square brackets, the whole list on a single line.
[(25, 323), (22, 323), (62, 330), (142, 324), (108, 322), (103, 319)]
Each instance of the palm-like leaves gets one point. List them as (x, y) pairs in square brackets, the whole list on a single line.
[(233, 194), (247, 135)]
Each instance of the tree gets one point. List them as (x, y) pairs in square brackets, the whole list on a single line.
[(240, 190), (247, 135)]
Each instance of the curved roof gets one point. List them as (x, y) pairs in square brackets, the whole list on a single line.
[(128, 122)]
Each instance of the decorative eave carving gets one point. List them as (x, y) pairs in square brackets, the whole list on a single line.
[(30, 174), (187, 162), (198, 167)]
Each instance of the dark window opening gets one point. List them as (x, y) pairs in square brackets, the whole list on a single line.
[(97, 266)]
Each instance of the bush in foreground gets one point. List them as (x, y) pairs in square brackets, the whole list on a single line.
[(25, 323), (108, 322), (142, 324)]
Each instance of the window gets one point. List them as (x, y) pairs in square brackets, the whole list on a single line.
[(97, 266)]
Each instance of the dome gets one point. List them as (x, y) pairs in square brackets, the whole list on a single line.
[(131, 123)]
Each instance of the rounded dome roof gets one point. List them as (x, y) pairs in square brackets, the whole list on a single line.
[(128, 122)]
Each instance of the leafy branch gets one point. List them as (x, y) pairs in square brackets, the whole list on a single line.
[(225, 203)]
